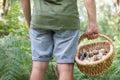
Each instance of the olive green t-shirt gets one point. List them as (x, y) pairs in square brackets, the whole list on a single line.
[(55, 14)]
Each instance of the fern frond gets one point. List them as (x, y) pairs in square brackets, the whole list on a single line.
[(15, 61)]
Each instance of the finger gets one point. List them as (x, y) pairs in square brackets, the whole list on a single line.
[(88, 37), (96, 35), (83, 36), (92, 36)]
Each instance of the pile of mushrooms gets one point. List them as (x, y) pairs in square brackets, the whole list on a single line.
[(93, 55)]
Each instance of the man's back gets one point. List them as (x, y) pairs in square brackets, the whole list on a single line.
[(55, 14)]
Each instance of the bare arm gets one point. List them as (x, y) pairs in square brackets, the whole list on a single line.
[(91, 10), (92, 30), (27, 11)]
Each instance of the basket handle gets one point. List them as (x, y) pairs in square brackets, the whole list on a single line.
[(99, 35)]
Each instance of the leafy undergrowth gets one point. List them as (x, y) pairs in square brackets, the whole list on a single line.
[(15, 62)]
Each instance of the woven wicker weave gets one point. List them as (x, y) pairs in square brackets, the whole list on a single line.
[(98, 67)]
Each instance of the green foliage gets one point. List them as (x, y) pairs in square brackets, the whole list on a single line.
[(50, 74), (15, 57), (15, 60), (13, 21), (3, 29)]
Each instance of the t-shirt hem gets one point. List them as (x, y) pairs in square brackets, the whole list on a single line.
[(37, 26)]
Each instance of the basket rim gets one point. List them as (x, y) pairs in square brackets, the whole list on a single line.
[(110, 53)]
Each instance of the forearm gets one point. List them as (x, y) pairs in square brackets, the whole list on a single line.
[(26, 10), (91, 11)]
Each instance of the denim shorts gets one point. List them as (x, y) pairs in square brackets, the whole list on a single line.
[(62, 44)]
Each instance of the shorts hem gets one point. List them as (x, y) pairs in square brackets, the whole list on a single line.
[(65, 61), (42, 59)]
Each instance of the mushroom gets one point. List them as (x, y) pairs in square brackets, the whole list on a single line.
[(96, 58), (90, 54), (84, 55), (95, 52)]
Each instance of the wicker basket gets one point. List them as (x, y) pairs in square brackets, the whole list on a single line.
[(98, 67)]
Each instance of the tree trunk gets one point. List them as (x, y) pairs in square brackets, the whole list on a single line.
[(117, 6), (6, 6)]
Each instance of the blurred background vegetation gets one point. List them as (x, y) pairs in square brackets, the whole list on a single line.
[(15, 53)]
